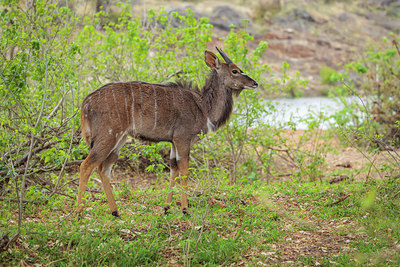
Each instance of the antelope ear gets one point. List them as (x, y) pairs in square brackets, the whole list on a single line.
[(212, 60)]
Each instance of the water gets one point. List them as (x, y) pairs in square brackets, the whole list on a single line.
[(297, 109)]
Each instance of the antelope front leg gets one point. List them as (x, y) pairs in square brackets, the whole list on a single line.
[(173, 175), (183, 166), (182, 156)]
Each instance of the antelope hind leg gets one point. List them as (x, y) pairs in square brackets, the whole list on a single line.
[(86, 169), (105, 175), (97, 155)]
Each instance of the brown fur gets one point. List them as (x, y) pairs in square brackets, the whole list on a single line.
[(175, 112)]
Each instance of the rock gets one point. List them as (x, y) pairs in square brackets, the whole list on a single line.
[(226, 13), (392, 26), (383, 3), (303, 14), (381, 19), (298, 19), (380, 3), (221, 18), (224, 16), (343, 16)]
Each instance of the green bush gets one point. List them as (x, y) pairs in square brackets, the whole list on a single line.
[(328, 75), (373, 119)]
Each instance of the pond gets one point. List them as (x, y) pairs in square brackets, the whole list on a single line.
[(297, 110)]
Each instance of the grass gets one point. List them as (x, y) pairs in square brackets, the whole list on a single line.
[(281, 222)]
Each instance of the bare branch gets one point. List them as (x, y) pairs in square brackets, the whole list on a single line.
[(17, 200), (338, 201)]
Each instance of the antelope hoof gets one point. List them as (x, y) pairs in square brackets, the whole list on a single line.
[(115, 214), (166, 209), (186, 212)]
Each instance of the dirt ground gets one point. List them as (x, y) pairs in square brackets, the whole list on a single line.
[(361, 164)]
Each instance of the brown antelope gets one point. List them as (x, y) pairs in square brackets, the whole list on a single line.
[(174, 112)]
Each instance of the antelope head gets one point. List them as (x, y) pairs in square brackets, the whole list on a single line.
[(232, 76)]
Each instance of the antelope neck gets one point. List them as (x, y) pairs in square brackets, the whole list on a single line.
[(217, 100)]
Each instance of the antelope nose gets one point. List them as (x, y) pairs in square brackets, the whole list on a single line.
[(255, 84)]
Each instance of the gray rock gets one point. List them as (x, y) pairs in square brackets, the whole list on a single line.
[(304, 15), (391, 25), (383, 20), (381, 3), (224, 16), (343, 16)]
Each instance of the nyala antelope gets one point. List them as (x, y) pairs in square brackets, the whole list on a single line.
[(175, 112)]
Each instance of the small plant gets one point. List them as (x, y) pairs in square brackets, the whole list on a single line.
[(328, 75)]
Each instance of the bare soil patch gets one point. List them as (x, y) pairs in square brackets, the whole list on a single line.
[(310, 236)]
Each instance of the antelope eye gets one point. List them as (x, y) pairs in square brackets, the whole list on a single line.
[(235, 72)]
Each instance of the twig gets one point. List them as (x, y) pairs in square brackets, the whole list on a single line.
[(54, 111), (17, 200), (61, 174), (33, 151), (174, 74), (338, 179), (41, 140), (21, 193), (72, 181), (284, 175), (202, 228), (63, 194), (338, 201), (394, 42), (63, 219)]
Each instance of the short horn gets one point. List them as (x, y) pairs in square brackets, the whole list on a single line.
[(226, 58)]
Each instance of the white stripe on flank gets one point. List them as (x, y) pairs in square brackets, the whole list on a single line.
[(173, 152), (126, 106), (115, 105), (141, 107), (155, 108), (174, 106), (133, 110), (210, 125)]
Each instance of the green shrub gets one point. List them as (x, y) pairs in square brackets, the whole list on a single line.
[(328, 75), (372, 120)]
